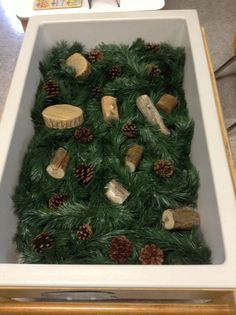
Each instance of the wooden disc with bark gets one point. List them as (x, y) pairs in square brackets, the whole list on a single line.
[(58, 164), (180, 219), (62, 116), (80, 64)]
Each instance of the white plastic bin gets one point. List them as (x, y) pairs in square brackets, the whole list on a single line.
[(216, 202)]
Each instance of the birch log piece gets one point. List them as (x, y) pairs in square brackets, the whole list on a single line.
[(133, 157), (109, 108), (80, 64), (115, 192), (167, 103), (58, 164), (149, 111), (180, 219), (62, 116)]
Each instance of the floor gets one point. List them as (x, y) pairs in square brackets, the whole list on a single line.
[(217, 17)]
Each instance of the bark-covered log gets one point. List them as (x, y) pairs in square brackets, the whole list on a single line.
[(115, 192), (109, 108), (167, 103), (149, 111), (133, 157), (180, 219), (58, 164)]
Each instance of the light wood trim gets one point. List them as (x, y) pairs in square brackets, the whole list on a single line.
[(220, 113), (216, 295), (49, 308)]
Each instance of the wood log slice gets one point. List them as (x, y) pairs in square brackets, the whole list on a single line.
[(133, 157), (58, 164), (167, 103), (80, 64), (109, 108), (115, 192), (62, 116), (180, 219)]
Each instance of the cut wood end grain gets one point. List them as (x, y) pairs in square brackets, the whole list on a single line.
[(62, 116), (81, 65)]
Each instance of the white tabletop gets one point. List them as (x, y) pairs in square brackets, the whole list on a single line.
[(25, 7)]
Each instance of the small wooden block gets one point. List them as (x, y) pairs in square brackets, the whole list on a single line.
[(167, 103), (180, 219), (133, 157), (80, 64), (58, 164), (63, 116), (109, 108), (116, 192)]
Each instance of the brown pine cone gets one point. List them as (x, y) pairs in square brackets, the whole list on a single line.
[(154, 71), (84, 173), (120, 249), (115, 72), (152, 47), (151, 255), (56, 201), (97, 92), (163, 168), (95, 56), (41, 242), (84, 232), (130, 130), (51, 88), (83, 135)]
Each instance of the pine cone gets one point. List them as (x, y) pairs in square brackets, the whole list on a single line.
[(84, 173), (115, 72), (83, 135), (97, 92), (163, 168), (120, 249), (154, 71), (151, 255), (152, 47), (51, 88), (56, 201), (84, 232), (95, 56), (41, 242), (130, 130)]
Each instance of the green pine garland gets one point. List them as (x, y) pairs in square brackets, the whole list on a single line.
[(139, 217)]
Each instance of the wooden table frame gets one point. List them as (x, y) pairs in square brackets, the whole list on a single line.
[(136, 301), (131, 301)]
